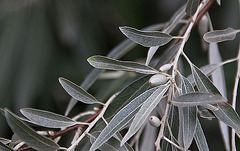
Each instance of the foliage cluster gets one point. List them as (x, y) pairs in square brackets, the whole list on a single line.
[(161, 95)]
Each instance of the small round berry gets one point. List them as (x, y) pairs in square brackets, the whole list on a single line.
[(158, 79), (165, 67), (154, 121)]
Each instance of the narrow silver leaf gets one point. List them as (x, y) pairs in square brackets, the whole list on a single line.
[(145, 111), (121, 118), (146, 38), (77, 92), (4, 140), (112, 64), (4, 147), (28, 135), (189, 118), (218, 79), (126, 95), (111, 145), (220, 35), (226, 114), (204, 84), (191, 7), (200, 138), (47, 119), (198, 98)]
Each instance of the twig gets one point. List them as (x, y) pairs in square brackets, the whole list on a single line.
[(91, 125), (234, 100), (184, 40)]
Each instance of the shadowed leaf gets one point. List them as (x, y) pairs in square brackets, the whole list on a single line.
[(28, 135), (191, 7), (4, 147), (204, 84), (226, 114), (200, 138)]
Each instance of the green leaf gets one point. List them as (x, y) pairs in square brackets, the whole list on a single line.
[(200, 138), (126, 95), (111, 145), (121, 118), (189, 116), (220, 35), (198, 98), (112, 64), (77, 92), (191, 7), (145, 111), (204, 84), (28, 135), (4, 147), (47, 119), (146, 38), (227, 114)]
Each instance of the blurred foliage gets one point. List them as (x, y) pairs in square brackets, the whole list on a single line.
[(41, 40)]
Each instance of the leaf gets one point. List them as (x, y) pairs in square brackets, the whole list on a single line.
[(186, 86), (4, 147), (47, 119), (28, 135), (121, 118), (220, 35), (200, 138), (189, 117), (145, 111), (226, 114), (168, 55), (77, 92), (4, 140), (126, 95), (172, 130), (191, 7), (198, 98), (111, 64), (207, 70), (205, 113), (204, 84), (148, 138), (146, 38), (218, 79), (151, 52), (111, 145)]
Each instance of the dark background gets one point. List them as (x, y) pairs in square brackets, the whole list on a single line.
[(41, 40)]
